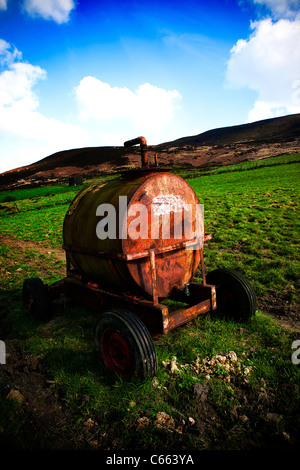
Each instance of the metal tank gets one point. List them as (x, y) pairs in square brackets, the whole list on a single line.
[(151, 217)]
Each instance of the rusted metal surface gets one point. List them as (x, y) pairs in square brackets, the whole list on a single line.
[(143, 143), (129, 258), (132, 256), (202, 266), (165, 195), (182, 316), (153, 276)]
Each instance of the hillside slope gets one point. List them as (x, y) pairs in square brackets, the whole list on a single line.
[(223, 146), (268, 130)]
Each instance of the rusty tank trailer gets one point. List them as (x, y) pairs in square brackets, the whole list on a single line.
[(125, 265)]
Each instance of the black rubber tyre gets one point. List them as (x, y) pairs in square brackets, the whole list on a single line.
[(125, 345), (236, 298), (35, 297)]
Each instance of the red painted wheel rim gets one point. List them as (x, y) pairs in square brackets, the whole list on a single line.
[(228, 298), (115, 353), (226, 301)]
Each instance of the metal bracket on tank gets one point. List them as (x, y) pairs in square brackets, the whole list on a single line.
[(134, 255)]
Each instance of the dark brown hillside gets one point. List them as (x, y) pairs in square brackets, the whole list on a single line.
[(223, 146), (81, 157), (269, 130), (62, 164)]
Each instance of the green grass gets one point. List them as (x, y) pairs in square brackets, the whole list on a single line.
[(28, 223), (252, 216), (253, 219)]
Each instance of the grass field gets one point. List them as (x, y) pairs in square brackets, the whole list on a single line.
[(245, 400)]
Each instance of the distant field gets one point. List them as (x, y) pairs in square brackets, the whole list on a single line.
[(252, 214), (33, 193), (243, 166)]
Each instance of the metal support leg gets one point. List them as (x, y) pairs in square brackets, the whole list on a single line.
[(153, 276), (202, 266)]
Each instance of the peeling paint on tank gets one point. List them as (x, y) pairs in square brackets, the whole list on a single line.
[(166, 203)]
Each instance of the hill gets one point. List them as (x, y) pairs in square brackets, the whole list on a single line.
[(269, 130), (223, 146)]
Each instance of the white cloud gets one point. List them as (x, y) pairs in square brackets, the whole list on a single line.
[(4, 46), (148, 106), (3, 4), (7, 57), (27, 135), (281, 8), (56, 10), (269, 63)]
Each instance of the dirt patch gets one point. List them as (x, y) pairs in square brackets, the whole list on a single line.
[(46, 424), (282, 309), (23, 245), (18, 261)]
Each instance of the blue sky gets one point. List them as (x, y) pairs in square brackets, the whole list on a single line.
[(96, 73)]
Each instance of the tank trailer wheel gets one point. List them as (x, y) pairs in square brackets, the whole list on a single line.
[(125, 345), (236, 298), (35, 297)]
